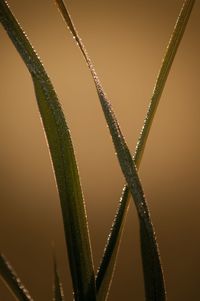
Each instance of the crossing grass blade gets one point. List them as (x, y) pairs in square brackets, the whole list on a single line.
[(12, 281), (106, 269), (110, 252), (64, 163), (153, 275)]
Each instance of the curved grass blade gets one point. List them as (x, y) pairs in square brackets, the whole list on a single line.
[(108, 262), (153, 271), (57, 288), (64, 163), (12, 281)]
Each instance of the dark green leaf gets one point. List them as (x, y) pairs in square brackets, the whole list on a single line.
[(108, 262), (12, 281), (152, 263), (63, 158), (106, 269)]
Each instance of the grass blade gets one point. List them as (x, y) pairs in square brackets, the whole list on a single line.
[(63, 158), (106, 269), (107, 264), (12, 281), (168, 59), (151, 260), (57, 288)]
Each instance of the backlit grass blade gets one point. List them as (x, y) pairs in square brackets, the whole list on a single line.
[(153, 270), (106, 269), (107, 264), (12, 281), (168, 59), (57, 288), (63, 158)]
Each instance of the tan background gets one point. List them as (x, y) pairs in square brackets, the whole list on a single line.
[(126, 40)]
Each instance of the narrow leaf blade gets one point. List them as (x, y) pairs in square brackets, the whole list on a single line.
[(168, 59), (106, 269), (64, 163), (12, 281), (129, 170), (108, 262)]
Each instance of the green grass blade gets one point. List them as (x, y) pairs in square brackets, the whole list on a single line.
[(106, 269), (12, 281), (168, 59), (153, 270), (57, 288), (107, 264), (63, 158)]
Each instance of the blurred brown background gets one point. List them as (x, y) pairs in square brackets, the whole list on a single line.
[(126, 40)]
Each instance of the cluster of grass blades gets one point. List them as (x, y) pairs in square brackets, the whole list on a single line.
[(86, 284)]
